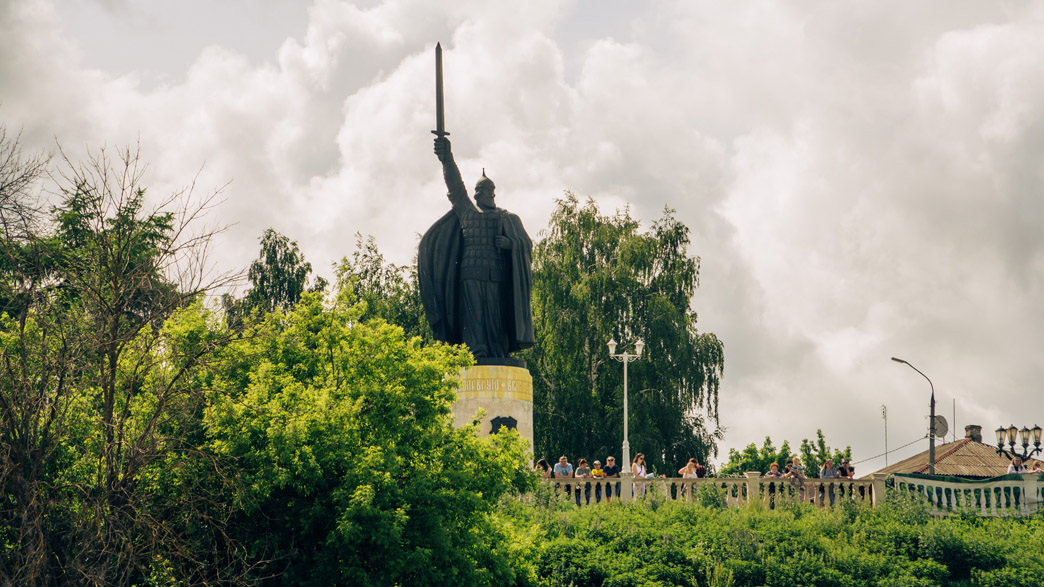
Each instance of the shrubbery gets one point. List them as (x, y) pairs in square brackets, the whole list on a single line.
[(702, 544)]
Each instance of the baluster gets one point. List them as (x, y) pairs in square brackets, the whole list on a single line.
[(1028, 488)]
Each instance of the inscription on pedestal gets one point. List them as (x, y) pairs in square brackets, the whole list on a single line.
[(495, 388)]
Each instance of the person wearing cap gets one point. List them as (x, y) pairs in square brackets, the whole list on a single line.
[(597, 473), (612, 470), (583, 471)]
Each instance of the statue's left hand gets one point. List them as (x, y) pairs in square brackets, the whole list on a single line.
[(502, 242)]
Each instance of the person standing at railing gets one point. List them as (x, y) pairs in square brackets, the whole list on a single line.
[(612, 471), (583, 472), (597, 473), (564, 469), (1036, 469), (828, 472), (773, 474), (689, 471), (1016, 467), (796, 473), (846, 471), (543, 468), (794, 470), (638, 470)]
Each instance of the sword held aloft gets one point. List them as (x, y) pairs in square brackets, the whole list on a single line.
[(440, 114)]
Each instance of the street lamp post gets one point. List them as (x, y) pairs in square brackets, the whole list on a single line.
[(625, 358), (931, 419)]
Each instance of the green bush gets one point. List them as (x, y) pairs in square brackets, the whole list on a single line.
[(351, 470), (672, 543), (711, 495)]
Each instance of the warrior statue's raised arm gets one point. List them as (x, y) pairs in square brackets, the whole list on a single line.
[(457, 193)]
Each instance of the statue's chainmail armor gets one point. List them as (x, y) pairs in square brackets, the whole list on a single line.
[(482, 260)]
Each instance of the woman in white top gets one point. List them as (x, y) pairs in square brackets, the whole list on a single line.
[(688, 472), (1016, 467), (638, 470)]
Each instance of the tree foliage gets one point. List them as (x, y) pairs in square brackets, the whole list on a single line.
[(278, 278), (597, 277), (279, 275), (753, 459), (390, 292), (813, 454), (352, 471), (144, 442), (98, 391)]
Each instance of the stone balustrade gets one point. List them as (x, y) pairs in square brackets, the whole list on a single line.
[(1007, 495), (735, 491)]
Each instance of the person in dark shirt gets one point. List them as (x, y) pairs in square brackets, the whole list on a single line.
[(773, 473), (846, 471), (583, 471), (611, 470)]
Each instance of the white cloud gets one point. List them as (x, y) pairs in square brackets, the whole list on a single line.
[(858, 185)]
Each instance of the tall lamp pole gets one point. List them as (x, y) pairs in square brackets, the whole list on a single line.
[(931, 419), (625, 358)]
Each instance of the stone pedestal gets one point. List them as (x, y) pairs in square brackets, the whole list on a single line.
[(504, 392)]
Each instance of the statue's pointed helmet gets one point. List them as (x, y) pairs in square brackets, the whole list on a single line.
[(484, 182)]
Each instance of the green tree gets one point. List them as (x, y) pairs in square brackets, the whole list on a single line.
[(598, 277), (352, 471), (97, 395), (390, 291), (279, 275), (33, 365), (753, 459), (813, 455)]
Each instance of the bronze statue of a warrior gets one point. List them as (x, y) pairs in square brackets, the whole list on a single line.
[(474, 265)]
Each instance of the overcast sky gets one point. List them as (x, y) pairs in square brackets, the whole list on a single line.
[(862, 179)]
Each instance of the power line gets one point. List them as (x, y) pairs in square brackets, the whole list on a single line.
[(891, 451)]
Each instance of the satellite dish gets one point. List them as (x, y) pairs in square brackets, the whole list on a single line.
[(940, 427)]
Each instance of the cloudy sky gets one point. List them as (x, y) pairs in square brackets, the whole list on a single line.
[(862, 179)]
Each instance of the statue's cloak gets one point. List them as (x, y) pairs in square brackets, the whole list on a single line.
[(438, 276)]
